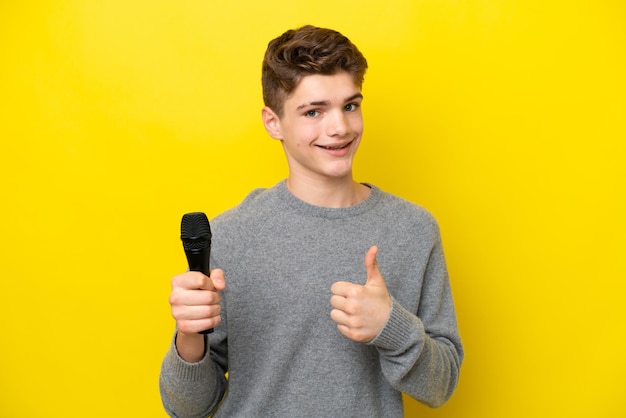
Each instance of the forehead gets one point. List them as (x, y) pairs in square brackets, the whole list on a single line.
[(330, 88)]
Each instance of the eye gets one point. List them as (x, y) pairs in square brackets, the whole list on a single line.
[(312, 113), (351, 107)]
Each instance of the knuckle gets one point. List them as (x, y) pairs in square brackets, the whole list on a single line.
[(196, 282), (352, 307), (174, 299), (217, 298), (333, 315), (356, 335), (217, 321), (178, 313), (176, 281), (217, 310), (355, 292), (355, 322), (184, 326)]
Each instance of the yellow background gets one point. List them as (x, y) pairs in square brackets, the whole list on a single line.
[(504, 118)]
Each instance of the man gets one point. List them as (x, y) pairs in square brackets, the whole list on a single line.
[(329, 297)]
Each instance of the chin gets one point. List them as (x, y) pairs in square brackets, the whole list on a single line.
[(339, 174)]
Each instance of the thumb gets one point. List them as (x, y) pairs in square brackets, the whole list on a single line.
[(217, 277), (374, 276)]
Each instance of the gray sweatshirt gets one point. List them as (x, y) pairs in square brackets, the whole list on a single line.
[(277, 353)]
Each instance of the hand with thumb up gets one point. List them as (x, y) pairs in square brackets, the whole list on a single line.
[(361, 311)]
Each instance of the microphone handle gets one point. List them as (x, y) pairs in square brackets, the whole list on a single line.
[(199, 261)]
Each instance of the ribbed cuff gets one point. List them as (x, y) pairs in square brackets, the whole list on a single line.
[(185, 371), (402, 329)]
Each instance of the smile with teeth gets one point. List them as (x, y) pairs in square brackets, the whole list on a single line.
[(335, 147)]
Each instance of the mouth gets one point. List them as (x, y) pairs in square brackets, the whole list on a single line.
[(335, 147)]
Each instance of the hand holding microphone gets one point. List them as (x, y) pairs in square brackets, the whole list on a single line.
[(195, 299)]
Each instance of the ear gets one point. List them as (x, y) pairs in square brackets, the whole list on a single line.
[(271, 122)]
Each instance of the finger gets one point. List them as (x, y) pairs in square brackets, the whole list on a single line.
[(197, 325), (338, 302), (193, 297), (339, 317), (353, 334), (193, 313), (192, 280), (374, 277), (349, 328), (342, 288)]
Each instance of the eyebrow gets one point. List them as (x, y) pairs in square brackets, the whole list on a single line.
[(326, 102)]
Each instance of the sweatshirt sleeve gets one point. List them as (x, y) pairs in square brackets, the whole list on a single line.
[(190, 389), (421, 352)]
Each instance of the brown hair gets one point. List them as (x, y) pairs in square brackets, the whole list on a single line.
[(306, 51)]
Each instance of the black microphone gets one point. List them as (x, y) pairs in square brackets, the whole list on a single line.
[(195, 232)]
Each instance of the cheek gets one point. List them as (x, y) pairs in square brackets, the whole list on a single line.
[(357, 122), (307, 134)]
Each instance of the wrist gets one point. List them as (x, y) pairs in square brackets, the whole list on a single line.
[(191, 347)]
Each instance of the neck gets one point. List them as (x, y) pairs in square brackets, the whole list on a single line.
[(336, 193)]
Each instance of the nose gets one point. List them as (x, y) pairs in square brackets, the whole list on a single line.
[(337, 124)]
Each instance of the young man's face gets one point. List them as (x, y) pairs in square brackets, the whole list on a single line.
[(321, 126)]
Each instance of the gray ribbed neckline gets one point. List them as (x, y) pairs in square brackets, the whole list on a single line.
[(307, 209)]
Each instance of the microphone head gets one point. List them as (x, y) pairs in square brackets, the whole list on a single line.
[(195, 231)]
